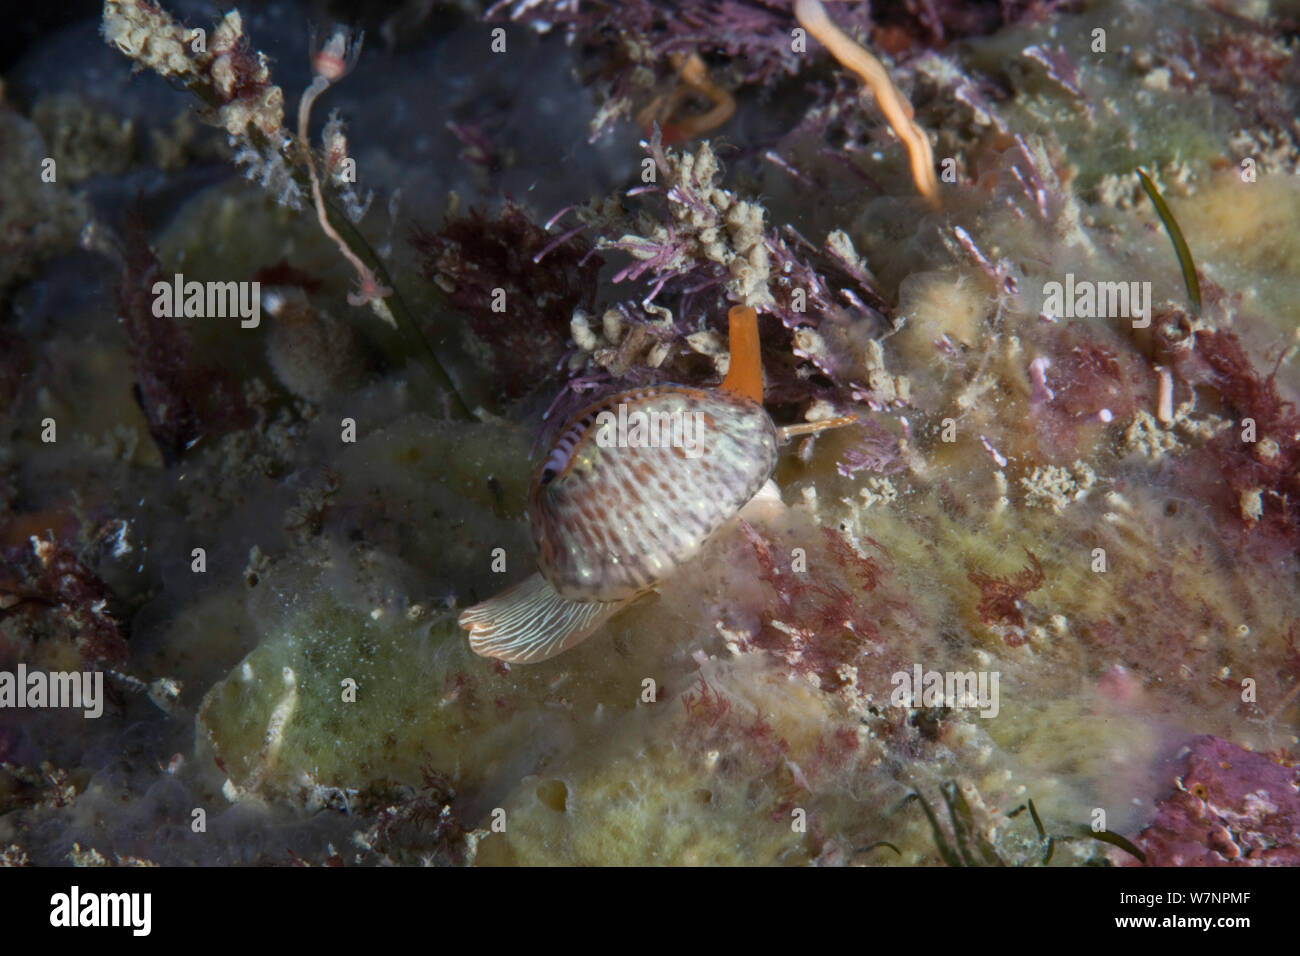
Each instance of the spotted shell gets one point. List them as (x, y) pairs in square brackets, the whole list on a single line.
[(613, 514)]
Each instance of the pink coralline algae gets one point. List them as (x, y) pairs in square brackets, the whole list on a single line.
[(1233, 808)]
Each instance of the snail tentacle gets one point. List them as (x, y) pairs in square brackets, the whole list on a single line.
[(787, 432)]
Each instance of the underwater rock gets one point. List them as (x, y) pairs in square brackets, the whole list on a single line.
[(1059, 544), (313, 354), (1232, 807), (85, 139), (338, 699), (34, 223)]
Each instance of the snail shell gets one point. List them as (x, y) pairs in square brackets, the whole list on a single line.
[(612, 516), (620, 503), (615, 512)]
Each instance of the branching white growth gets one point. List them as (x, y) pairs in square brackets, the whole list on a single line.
[(337, 166)]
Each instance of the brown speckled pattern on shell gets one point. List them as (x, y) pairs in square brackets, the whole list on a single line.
[(610, 522)]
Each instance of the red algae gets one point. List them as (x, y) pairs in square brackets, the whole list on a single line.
[(1232, 807), (1001, 597)]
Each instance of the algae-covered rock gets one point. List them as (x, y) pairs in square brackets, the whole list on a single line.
[(38, 218), (990, 621), (339, 698), (713, 777)]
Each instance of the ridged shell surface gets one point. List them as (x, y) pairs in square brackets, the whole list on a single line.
[(614, 510)]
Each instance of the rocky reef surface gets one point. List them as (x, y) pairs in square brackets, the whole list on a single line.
[(1039, 605)]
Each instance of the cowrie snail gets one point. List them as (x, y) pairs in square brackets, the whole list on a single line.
[(630, 491)]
